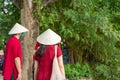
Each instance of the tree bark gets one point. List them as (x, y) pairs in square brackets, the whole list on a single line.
[(29, 40)]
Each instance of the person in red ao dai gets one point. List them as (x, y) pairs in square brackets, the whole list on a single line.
[(12, 65), (44, 59)]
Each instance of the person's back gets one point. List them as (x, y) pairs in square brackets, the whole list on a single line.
[(12, 46), (45, 54), (45, 62), (7, 61)]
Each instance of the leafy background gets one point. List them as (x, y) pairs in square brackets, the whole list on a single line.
[(9, 15), (89, 28)]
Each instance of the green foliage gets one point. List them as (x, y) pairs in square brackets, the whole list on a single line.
[(104, 72), (77, 71), (9, 15), (90, 28)]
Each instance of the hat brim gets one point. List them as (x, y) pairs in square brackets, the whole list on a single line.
[(18, 29)]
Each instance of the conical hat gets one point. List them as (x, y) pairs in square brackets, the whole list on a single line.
[(17, 28), (1, 52), (49, 37)]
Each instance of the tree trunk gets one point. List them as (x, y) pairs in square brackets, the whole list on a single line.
[(71, 54), (29, 40)]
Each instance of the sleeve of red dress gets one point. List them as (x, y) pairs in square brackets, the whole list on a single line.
[(36, 45), (59, 51), (37, 57)]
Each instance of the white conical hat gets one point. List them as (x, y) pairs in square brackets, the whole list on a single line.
[(49, 37), (17, 28), (1, 52)]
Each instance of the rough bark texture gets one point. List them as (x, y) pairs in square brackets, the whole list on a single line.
[(29, 40)]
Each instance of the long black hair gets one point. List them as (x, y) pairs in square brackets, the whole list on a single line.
[(40, 51)]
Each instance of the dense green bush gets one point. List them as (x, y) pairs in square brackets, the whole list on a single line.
[(77, 71), (105, 72)]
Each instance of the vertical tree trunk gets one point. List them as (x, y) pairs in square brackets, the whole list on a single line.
[(29, 40), (71, 54)]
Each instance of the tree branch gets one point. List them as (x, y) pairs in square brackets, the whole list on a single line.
[(46, 2), (18, 3)]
